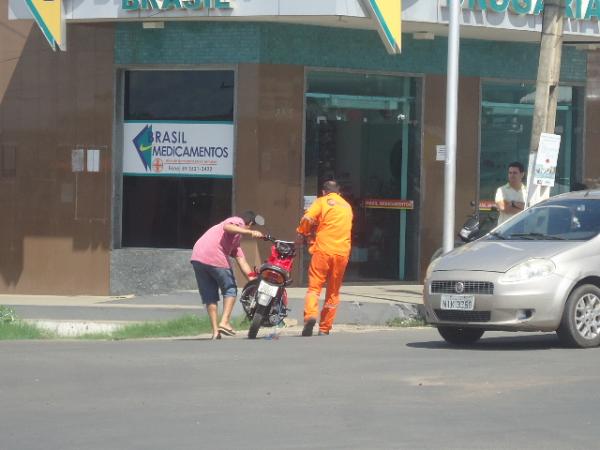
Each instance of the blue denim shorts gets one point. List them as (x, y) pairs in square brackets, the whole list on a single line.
[(210, 279)]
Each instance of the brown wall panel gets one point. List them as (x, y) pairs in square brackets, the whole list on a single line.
[(270, 117), (432, 172), (55, 224)]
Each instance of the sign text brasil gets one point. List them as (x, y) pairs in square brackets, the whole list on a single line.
[(134, 5)]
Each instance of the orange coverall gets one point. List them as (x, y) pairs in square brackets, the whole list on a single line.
[(331, 217)]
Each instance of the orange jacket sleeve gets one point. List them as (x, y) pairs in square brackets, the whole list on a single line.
[(310, 218)]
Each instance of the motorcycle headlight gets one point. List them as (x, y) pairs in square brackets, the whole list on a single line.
[(528, 270)]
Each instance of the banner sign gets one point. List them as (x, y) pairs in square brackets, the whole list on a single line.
[(164, 5), (546, 160), (200, 149), (388, 203), (574, 9)]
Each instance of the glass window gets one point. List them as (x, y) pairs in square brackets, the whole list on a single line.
[(576, 219), (172, 211), (506, 122), (179, 95)]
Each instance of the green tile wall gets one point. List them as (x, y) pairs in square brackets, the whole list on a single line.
[(187, 43), (228, 43)]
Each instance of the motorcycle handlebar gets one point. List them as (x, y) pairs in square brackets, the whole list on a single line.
[(268, 237)]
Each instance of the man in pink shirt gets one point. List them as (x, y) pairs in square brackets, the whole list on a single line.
[(212, 266)]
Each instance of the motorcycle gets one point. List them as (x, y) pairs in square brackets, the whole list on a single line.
[(476, 226), (264, 299)]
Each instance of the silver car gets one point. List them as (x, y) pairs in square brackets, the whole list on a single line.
[(539, 271)]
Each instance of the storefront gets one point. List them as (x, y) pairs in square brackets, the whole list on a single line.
[(193, 120)]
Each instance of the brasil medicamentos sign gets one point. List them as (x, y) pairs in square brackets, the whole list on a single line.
[(178, 148)]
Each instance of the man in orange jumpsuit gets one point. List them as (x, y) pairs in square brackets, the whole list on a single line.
[(327, 224)]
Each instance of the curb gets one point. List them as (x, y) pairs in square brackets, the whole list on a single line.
[(69, 328), (75, 330), (355, 314)]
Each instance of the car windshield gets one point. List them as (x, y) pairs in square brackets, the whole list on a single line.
[(556, 220)]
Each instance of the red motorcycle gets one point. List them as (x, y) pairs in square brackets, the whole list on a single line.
[(264, 299)]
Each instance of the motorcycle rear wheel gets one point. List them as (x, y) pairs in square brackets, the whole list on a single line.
[(248, 294), (256, 322)]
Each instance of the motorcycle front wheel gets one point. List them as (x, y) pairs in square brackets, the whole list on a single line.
[(256, 321)]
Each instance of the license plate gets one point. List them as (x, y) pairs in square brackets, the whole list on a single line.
[(266, 288), (458, 302)]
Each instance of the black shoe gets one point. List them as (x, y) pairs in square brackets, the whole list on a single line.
[(308, 327)]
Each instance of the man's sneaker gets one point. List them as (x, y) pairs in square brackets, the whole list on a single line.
[(323, 333), (308, 327)]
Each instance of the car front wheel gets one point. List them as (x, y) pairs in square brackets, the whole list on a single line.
[(580, 323), (460, 336)]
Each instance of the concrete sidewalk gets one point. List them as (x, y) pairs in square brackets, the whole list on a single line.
[(72, 315)]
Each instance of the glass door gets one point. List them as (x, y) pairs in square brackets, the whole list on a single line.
[(364, 141)]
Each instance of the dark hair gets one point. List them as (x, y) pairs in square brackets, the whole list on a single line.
[(249, 217), (331, 186), (518, 165)]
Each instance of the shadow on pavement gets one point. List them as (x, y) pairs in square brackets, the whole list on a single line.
[(403, 291), (535, 342)]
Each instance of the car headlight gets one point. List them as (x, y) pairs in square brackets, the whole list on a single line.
[(429, 271), (431, 266), (533, 268)]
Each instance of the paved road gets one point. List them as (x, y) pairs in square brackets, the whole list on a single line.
[(375, 390)]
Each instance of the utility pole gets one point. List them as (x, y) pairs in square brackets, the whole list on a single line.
[(546, 90), (451, 123)]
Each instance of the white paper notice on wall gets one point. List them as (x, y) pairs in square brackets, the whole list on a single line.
[(93, 160), (440, 153), (309, 200), (77, 158)]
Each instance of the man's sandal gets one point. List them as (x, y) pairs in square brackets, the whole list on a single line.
[(227, 331)]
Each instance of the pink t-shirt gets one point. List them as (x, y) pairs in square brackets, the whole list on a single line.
[(214, 246)]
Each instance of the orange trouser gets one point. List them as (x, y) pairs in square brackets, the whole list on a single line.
[(324, 269)]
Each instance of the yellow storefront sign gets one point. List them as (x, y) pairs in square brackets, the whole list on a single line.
[(50, 18), (388, 15)]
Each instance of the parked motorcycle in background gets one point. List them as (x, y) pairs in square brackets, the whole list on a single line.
[(264, 299), (476, 226)]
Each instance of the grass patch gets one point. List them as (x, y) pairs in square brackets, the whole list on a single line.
[(406, 323), (11, 328), (188, 325), (18, 330)]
